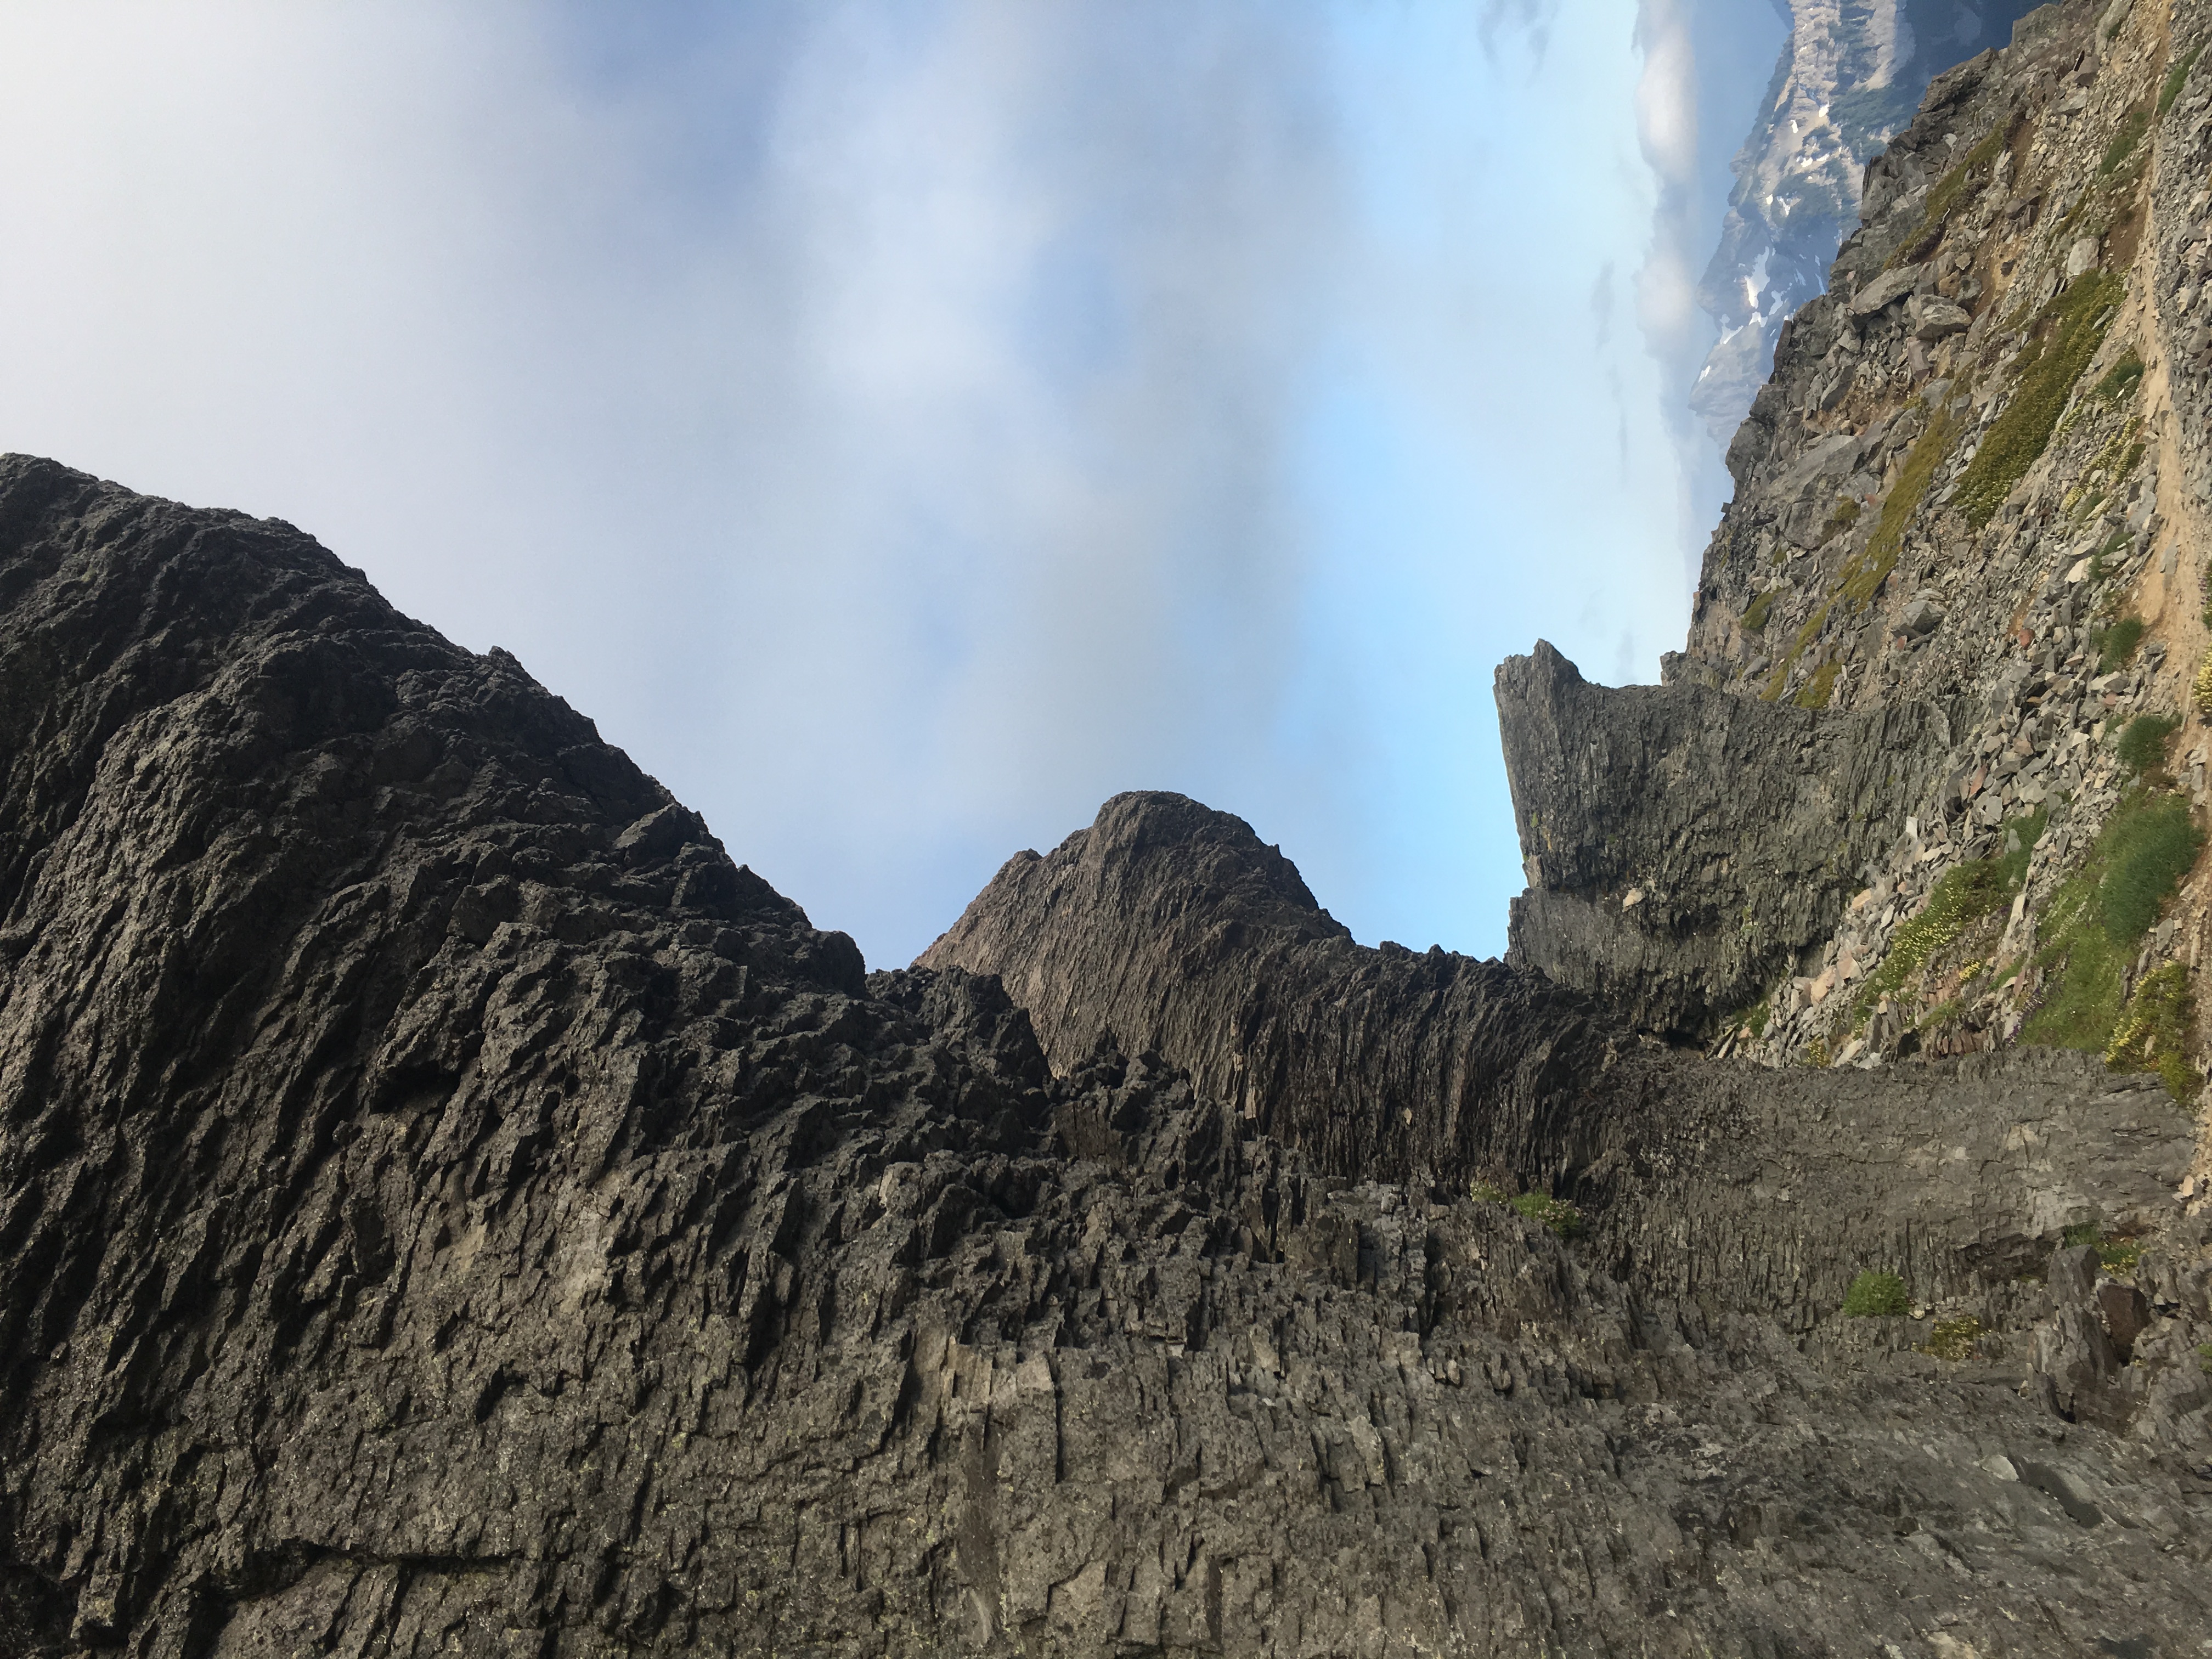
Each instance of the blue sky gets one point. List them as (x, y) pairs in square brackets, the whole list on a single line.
[(903, 425)]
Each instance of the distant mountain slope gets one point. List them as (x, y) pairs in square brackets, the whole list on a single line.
[(1850, 74)]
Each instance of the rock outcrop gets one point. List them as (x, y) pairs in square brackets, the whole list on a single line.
[(1977, 485), (450, 1206), (1687, 848)]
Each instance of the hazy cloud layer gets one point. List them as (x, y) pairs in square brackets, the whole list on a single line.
[(903, 425)]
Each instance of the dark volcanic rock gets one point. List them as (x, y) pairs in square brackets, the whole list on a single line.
[(451, 1207), (1685, 847)]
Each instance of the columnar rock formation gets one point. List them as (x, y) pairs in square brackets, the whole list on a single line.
[(451, 1206)]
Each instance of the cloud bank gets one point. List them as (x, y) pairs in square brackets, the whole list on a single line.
[(903, 424)]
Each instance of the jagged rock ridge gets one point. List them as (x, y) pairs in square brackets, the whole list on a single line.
[(455, 1207)]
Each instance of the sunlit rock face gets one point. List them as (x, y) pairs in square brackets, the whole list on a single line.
[(1850, 76)]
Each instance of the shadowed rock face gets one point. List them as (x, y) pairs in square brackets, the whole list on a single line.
[(1684, 846), (451, 1206)]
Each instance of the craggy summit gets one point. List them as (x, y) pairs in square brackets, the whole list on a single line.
[(450, 1206)]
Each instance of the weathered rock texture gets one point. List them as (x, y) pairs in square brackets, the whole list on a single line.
[(449, 1207), (452, 1207), (1976, 484), (1686, 848)]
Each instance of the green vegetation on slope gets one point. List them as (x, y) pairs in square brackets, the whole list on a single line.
[(1865, 572), (2097, 919), (2175, 79), (1966, 893), (2067, 332)]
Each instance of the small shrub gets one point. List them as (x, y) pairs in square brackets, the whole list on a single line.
[(2115, 645), (1556, 1213), (1954, 1339), (2201, 693), (2176, 78), (1484, 1192), (2120, 1255), (2092, 923), (2141, 747), (2204, 1357), (2067, 332), (2152, 1035), (1875, 1294), (2080, 1233)]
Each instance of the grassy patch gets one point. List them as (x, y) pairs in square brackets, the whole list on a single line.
[(2095, 922), (2141, 747), (2120, 381), (1562, 1218), (2133, 125), (2120, 1255), (1845, 514), (1876, 1295), (1966, 893), (1942, 1014), (2176, 78), (1974, 170), (1864, 574), (1816, 692), (1556, 1213), (2116, 644), (1954, 1339), (1756, 613), (2067, 332), (2152, 1035)]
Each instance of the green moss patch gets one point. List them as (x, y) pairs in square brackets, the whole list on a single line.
[(1556, 1213), (2133, 125), (1756, 613), (1864, 576), (1976, 171), (2120, 381), (1816, 690), (1877, 1294), (2097, 918), (2067, 333), (2152, 1035)]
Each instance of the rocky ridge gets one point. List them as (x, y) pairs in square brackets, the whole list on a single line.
[(451, 1206), (1978, 484)]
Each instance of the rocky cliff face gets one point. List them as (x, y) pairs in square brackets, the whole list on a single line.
[(451, 1206), (1849, 78), (1976, 485)]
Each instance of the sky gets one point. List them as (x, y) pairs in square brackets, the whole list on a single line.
[(903, 425)]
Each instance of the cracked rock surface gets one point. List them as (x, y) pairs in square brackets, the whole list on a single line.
[(451, 1207)]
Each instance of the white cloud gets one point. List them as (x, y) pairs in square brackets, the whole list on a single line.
[(901, 425)]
